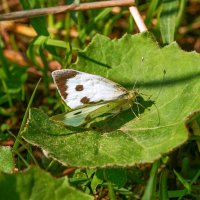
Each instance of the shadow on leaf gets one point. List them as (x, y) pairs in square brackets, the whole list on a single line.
[(118, 121)]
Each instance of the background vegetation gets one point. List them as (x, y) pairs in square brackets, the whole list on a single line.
[(30, 49)]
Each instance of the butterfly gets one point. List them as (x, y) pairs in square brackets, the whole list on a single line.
[(90, 97)]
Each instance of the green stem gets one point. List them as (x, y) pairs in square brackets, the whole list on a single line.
[(17, 141), (111, 191)]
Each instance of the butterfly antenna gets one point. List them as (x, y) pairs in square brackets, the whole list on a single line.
[(164, 73), (142, 60), (136, 101), (135, 84), (158, 114), (161, 88)]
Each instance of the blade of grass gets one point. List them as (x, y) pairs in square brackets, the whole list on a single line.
[(16, 145), (180, 13), (49, 165), (109, 24), (38, 23), (3, 61), (87, 28), (177, 193), (7, 93), (163, 192), (56, 43), (5, 72), (111, 191), (168, 20), (21, 157), (150, 190), (31, 155), (131, 25), (37, 47), (151, 11), (195, 177), (183, 181), (45, 69), (102, 15)]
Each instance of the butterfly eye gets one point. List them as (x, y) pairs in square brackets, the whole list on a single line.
[(77, 113)]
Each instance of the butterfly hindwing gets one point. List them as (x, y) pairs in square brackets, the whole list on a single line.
[(82, 116)]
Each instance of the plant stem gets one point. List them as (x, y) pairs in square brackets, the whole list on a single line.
[(138, 19), (64, 8)]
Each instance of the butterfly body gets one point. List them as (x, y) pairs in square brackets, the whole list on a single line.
[(91, 97)]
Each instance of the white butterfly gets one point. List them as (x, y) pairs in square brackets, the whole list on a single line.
[(92, 98)]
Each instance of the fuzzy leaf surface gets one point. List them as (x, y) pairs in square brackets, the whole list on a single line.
[(36, 184), (6, 160)]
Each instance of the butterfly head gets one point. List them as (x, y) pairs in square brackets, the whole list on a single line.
[(132, 95)]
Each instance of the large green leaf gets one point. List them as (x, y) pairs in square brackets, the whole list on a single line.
[(169, 78), (35, 184)]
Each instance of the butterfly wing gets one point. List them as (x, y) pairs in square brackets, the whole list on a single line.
[(94, 113), (79, 89)]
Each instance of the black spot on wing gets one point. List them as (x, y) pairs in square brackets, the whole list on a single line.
[(77, 113), (85, 100), (79, 88)]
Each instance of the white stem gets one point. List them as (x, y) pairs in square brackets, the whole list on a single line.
[(138, 19)]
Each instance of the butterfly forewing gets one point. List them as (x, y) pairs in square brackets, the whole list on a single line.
[(78, 89)]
